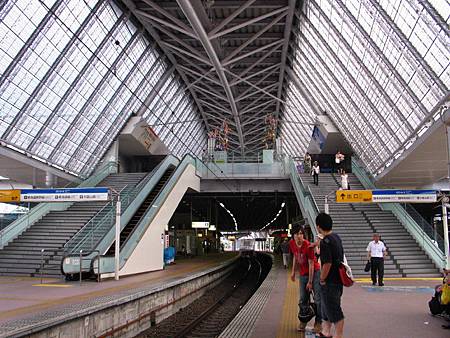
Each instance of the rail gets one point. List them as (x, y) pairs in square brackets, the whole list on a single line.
[(420, 231), (93, 231), (35, 214), (139, 231), (103, 241), (304, 197)]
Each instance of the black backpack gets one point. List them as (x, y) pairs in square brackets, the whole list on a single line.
[(307, 312)]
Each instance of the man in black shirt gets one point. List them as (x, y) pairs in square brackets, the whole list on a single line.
[(331, 256)]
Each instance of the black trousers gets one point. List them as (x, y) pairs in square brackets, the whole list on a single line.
[(316, 178), (377, 268)]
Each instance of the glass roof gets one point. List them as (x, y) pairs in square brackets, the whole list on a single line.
[(379, 69), (73, 72)]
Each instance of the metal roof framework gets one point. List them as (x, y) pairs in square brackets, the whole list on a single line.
[(233, 55)]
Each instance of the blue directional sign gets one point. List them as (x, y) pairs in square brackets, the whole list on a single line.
[(64, 195)]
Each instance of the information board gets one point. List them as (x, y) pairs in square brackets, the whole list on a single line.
[(10, 196), (64, 195), (404, 196)]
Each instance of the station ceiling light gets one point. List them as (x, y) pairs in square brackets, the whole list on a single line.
[(275, 218), (232, 216)]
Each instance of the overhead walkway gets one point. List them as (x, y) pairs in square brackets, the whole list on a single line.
[(38, 246), (144, 216), (356, 223)]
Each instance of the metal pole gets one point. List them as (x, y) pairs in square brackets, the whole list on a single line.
[(81, 265), (327, 210), (98, 267), (445, 224), (116, 256), (42, 262)]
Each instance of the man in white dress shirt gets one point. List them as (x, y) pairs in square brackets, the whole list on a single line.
[(376, 251)]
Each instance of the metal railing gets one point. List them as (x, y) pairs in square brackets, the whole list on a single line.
[(420, 230), (92, 232), (22, 223), (304, 197), (427, 228)]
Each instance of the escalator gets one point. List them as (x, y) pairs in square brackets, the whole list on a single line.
[(148, 203)]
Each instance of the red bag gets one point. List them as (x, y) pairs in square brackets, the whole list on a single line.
[(345, 272)]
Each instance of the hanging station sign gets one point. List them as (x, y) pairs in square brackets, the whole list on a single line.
[(404, 196), (10, 196), (64, 195), (200, 225), (386, 196)]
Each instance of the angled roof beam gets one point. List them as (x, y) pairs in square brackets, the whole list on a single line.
[(210, 92), (196, 24), (178, 50), (256, 83), (254, 86), (254, 37), (253, 93), (262, 71), (257, 50), (258, 61), (216, 103), (214, 106), (246, 123), (246, 23), (197, 74), (152, 18), (254, 102), (230, 18), (177, 39), (261, 105), (169, 16), (287, 34)]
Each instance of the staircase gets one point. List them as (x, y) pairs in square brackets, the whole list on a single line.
[(148, 202), (22, 256), (356, 223)]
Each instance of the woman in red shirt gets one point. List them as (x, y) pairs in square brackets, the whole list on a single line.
[(309, 268)]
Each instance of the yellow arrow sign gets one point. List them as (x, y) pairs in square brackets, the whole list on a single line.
[(8, 196), (354, 196)]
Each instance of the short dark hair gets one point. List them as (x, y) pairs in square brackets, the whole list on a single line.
[(324, 221), (296, 229)]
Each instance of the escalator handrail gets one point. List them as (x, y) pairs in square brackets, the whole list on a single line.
[(159, 200), (127, 194)]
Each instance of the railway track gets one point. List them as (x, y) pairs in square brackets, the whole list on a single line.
[(210, 314)]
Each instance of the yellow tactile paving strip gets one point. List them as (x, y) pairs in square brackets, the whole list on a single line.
[(289, 320)]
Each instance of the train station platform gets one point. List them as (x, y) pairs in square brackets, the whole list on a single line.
[(399, 309), (26, 304)]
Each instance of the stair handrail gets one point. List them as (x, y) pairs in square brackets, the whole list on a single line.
[(304, 198), (187, 159), (82, 235), (127, 194), (14, 229), (67, 266), (405, 218), (314, 200), (424, 224)]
